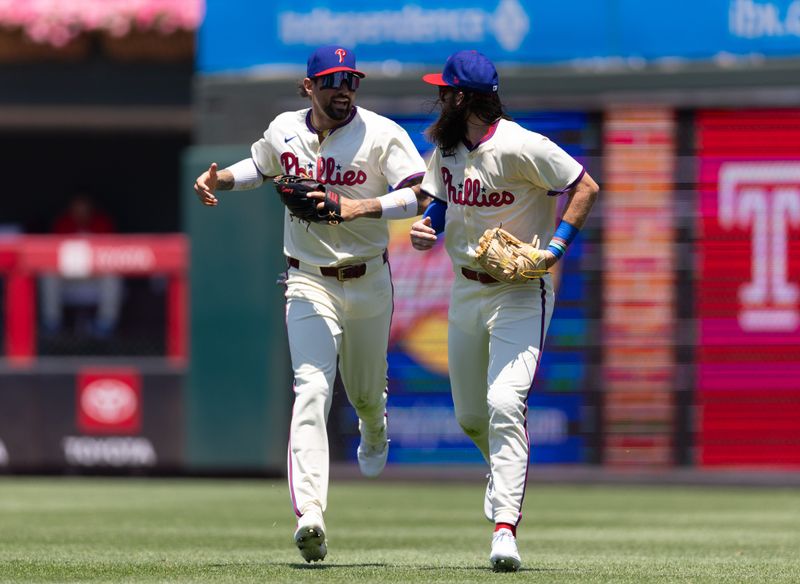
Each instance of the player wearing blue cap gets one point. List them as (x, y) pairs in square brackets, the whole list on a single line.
[(338, 288), (488, 171)]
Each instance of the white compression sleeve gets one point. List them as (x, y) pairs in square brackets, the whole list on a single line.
[(245, 175), (399, 204)]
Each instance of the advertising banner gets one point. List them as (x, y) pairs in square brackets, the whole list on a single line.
[(387, 36), (748, 287), (96, 419)]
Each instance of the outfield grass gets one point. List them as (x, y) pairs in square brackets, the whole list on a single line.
[(123, 530)]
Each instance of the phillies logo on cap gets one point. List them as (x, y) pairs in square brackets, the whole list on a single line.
[(331, 59), (109, 401)]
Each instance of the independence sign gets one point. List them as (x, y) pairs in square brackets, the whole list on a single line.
[(277, 36)]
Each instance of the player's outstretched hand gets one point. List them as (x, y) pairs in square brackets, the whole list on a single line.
[(423, 236), (206, 185)]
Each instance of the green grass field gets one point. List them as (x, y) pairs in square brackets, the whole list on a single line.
[(125, 530)]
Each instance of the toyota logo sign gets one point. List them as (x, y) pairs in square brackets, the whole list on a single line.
[(109, 402)]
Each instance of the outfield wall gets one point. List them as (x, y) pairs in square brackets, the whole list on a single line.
[(676, 337), (675, 342)]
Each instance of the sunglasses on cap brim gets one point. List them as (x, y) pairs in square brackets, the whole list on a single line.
[(335, 80)]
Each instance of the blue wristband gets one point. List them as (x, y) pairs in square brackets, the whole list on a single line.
[(565, 233), (436, 211)]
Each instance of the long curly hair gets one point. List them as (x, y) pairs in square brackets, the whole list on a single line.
[(451, 126)]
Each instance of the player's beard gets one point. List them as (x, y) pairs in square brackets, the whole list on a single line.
[(451, 126), (338, 112)]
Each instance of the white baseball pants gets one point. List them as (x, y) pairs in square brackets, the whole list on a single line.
[(495, 337), (330, 321)]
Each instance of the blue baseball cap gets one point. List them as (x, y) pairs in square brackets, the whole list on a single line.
[(330, 59), (466, 70)]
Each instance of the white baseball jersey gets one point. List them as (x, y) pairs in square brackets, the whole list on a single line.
[(496, 330), (362, 158), (507, 179), (336, 324)]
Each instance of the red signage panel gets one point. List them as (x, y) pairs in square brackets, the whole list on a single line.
[(748, 288), (109, 401)]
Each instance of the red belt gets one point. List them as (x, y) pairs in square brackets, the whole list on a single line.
[(481, 277), (342, 273)]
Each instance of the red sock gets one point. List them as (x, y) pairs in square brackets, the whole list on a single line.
[(511, 528)]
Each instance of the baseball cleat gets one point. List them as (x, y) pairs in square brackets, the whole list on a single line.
[(372, 457), (504, 556), (310, 536), (488, 499)]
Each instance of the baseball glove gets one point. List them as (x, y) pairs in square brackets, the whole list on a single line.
[(294, 190), (507, 259)]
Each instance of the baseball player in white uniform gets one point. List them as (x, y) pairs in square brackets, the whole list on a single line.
[(338, 288), (488, 171)]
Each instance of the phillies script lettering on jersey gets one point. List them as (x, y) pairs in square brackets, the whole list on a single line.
[(471, 194), (291, 165), (328, 172)]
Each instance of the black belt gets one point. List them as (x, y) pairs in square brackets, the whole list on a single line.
[(481, 277), (341, 273)]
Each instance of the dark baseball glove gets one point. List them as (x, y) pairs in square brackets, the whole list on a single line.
[(294, 194)]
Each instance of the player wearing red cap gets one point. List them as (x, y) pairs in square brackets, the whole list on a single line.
[(488, 171)]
